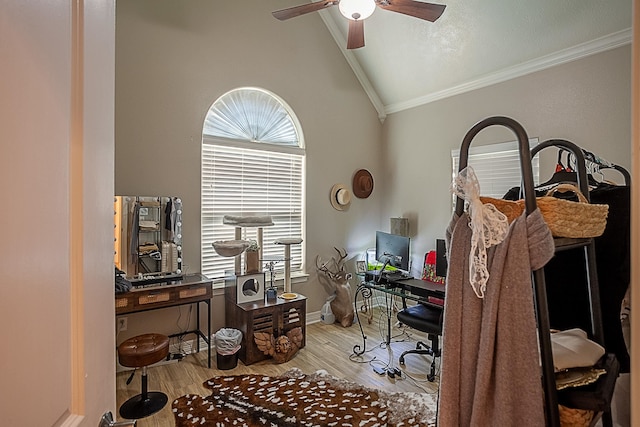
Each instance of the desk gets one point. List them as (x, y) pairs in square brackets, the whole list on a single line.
[(422, 291), (191, 289), (419, 290)]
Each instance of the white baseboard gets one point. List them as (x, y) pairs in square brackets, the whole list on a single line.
[(187, 347), (313, 317)]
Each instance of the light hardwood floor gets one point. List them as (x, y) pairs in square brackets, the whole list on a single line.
[(328, 347)]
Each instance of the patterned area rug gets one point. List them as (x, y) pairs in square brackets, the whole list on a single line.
[(296, 399)]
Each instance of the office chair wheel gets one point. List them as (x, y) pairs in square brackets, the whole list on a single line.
[(422, 346), (432, 373)]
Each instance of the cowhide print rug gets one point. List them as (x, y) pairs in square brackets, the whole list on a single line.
[(296, 399)]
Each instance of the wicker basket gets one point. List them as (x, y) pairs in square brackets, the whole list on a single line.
[(565, 218), (570, 417), (512, 209)]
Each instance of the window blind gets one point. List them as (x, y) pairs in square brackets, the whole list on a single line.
[(237, 180), (497, 166)]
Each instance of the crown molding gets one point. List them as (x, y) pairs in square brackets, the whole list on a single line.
[(583, 50), (354, 64), (602, 44)]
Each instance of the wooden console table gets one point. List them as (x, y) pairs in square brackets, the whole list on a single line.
[(191, 289), (276, 318)]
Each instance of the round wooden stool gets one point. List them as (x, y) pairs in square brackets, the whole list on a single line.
[(140, 352)]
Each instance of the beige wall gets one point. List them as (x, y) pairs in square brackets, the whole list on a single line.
[(587, 102), (174, 58)]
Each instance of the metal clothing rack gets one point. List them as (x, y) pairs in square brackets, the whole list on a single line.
[(597, 398)]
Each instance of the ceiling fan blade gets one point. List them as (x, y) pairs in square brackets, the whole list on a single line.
[(292, 12), (417, 9), (355, 38)]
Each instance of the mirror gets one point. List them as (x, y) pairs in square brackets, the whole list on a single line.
[(148, 237)]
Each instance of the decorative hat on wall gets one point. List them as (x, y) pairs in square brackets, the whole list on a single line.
[(362, 184), (340, 197)]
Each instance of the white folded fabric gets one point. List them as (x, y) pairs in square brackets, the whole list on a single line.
[(573, 349)]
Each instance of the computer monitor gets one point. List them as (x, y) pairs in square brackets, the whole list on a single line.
[(393, 249)]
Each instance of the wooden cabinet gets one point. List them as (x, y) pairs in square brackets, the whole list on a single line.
[(275, 318)]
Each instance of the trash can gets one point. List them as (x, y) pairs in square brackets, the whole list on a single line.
[(227, 341), (326, 315)]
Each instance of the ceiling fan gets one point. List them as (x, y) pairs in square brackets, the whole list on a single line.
[(358, 10)]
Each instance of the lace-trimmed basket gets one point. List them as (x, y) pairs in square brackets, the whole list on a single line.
[(565, 218)]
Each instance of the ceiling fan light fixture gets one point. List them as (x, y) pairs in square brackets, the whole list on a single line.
[(357, 9)]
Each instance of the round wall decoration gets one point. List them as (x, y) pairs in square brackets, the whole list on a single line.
[(362, 184), (340, 197)]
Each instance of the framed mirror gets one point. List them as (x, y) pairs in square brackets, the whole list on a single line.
[(148, 237)]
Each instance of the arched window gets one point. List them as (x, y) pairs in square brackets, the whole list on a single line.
[(253, 163)]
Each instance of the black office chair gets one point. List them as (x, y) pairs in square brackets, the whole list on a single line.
[(424, 318)]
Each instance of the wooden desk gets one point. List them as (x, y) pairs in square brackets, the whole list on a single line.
[(191, 289)]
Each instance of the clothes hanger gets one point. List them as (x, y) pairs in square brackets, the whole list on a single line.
[(592, 168), (565, 174), (599, 163), (561, 174)]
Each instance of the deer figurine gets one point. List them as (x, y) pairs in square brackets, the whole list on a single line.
[(337, 278)]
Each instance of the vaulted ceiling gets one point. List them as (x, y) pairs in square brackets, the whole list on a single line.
[(408, 62)]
